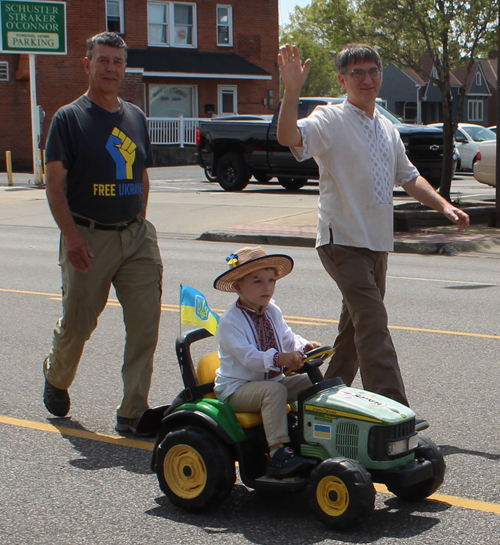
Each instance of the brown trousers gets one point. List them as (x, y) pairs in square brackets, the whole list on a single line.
[(363, 340), (130, 261), (270, 398)]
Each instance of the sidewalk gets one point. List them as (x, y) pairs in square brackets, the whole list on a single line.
[(435, 240), (212, 214)]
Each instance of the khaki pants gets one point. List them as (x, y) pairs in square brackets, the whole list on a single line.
[(363, 340), (270, 398), (130, 260)]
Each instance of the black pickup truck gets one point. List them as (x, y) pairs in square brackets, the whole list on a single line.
[(232, 150)]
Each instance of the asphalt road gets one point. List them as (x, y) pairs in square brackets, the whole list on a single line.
[(76, 481)]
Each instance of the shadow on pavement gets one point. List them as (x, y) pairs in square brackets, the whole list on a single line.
[(288, 519), (96, 454), (449, 450)]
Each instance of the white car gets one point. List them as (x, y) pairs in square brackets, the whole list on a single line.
[(485, 166), (467, 138)]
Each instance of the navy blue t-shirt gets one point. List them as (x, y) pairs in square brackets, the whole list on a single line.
[(105, 154)]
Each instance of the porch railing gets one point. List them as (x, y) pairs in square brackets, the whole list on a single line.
[(177, 131)]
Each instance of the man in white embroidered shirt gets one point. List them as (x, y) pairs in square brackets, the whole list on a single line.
[(361, 158)]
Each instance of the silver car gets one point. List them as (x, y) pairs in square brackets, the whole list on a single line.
[(467, 139)]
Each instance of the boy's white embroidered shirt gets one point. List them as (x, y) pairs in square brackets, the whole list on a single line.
[(241, 361)]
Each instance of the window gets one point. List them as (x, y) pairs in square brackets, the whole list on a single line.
[(157, 23), (114, 16), (228, 102), (4, 71), (475, 110), (172, 24), (224, 25), (479, 79), (410, 112), (172, 101), (432, 112)]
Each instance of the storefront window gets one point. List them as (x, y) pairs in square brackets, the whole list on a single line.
[(167, 101)]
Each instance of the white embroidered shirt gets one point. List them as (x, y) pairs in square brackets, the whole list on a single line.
[(360, 161)]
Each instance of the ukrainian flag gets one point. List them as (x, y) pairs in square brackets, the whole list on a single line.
[(195, 310), (322, 431)]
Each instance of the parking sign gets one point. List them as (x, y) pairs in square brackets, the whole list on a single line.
[(33, 27)]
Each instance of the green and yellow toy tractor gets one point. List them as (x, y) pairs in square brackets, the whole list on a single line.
[(352, 437)]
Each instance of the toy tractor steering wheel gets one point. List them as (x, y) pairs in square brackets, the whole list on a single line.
[(313, 358)]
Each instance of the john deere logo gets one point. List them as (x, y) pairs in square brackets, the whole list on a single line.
[(201, 308)]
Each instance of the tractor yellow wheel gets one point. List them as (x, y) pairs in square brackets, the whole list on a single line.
[(195, 468), (185, 471), (332, 496), (341, 492)]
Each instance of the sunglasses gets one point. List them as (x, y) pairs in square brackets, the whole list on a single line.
[(359, 74)]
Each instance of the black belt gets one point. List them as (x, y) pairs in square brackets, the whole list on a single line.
[(103, 226)]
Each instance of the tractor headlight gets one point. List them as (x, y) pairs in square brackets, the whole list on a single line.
[(402, 446), (397, 447), (413, 442)]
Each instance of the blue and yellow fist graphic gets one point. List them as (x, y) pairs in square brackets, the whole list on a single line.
[(122, 149)]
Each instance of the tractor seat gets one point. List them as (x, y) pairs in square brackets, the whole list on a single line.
[(208, 364)]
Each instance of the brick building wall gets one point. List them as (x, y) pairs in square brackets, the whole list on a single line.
[(61, 78), (15, 126)]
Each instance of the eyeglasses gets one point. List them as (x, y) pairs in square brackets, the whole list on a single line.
[(359, 74)]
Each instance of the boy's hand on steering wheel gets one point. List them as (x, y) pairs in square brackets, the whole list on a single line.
[(311, 345), (291, 360)]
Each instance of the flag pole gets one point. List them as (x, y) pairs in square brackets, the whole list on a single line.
[(180, 310)]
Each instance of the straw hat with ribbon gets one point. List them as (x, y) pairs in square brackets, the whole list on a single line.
[(250, 259)]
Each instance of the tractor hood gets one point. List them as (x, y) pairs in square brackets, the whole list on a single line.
[(360, 405)]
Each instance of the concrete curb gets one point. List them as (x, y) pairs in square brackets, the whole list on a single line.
[(447, 248), (255, 238), (410, 216), (400, 246)]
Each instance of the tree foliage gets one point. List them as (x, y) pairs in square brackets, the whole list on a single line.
[(322, 78), (453, 33), (313, 43)]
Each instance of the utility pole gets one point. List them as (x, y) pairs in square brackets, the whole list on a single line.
[(35, 124)]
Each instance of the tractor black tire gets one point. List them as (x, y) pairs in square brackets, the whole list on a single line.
[(194, 469), (427, 450), (292, 184), (341, 493), (232, 172)]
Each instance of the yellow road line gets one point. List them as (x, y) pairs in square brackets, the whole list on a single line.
[(455, 501), (445, 332), (83, 434), (290, 319), (31, 292), (320, 320), (473, 505)]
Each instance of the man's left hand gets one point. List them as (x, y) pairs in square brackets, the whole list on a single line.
[(457, 216)]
